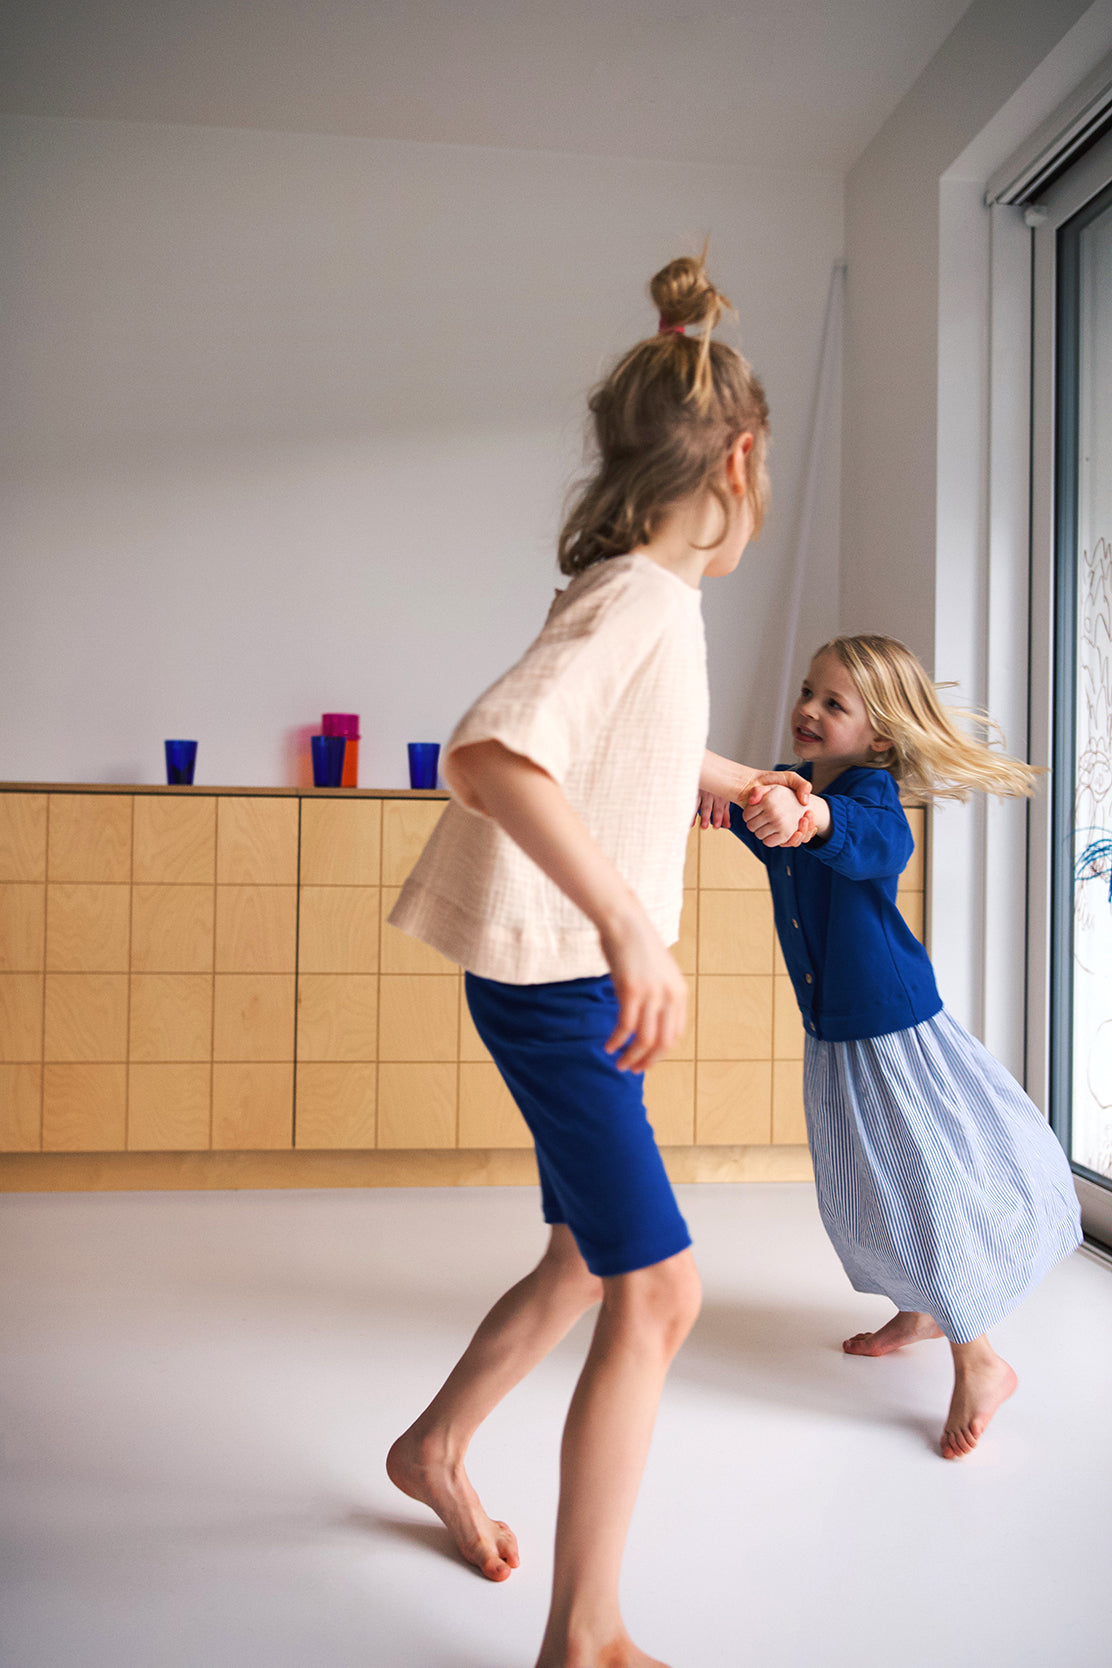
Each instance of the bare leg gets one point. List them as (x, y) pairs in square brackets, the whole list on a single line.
[(982, 1381), (905, 1327), (426, 1462), (644, 1319)]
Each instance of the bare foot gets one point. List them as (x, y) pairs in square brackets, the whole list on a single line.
[(618, 1653), (982, 1381), (906, 1327), (485, 1542)]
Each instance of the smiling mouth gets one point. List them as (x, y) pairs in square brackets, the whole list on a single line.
[(805, 735)]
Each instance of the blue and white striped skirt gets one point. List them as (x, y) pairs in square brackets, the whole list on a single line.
[(940, 1184)]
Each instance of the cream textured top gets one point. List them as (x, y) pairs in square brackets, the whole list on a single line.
[(611, 700)]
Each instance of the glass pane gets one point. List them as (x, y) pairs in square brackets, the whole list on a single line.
[(1091, 1124)]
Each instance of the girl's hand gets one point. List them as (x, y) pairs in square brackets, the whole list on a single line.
[(723, 783), (772, 814), (651, 991), (798, 784), (711, 811)]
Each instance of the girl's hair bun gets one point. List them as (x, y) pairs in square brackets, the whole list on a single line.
[(684, 295), (665, 419)]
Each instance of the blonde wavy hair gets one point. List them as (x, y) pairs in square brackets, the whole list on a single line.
[(664, 421), (932, 755)]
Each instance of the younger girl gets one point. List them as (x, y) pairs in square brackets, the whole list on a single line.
[(938, 1181), (559, 904)]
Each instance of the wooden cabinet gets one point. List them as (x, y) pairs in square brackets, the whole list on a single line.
[(190, 972)]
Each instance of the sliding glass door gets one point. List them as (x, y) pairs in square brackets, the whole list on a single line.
[(1081, 954)]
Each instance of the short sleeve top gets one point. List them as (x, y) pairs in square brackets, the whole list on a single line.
[(611, 700), (856, 967)]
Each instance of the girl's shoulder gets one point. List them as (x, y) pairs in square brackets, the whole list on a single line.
[(870, 783), (633, 587)]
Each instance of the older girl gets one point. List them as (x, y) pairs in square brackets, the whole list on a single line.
[(559, 903)]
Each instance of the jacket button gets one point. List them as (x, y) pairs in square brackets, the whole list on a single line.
[(811, 1023), (809, 979), (789, 868), (795, 923)]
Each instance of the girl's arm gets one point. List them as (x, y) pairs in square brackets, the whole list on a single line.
[(863, 834), (722, 783), (530, 806)]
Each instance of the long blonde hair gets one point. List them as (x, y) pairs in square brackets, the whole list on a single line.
[(932, 756), (664, 420)]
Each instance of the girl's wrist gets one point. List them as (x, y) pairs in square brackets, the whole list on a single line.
[(724, 778), (744, 777), (820, 812)]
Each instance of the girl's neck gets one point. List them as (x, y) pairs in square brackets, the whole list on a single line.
[(678, 557), (689, 541)]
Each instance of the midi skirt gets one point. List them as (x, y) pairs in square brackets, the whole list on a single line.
[(939, 1182)]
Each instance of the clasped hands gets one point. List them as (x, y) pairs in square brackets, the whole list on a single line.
[(770, 801)]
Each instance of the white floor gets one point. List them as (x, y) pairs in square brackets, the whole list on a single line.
[(197, 1391)]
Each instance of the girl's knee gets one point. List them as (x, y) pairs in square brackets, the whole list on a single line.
[(664, 1298)]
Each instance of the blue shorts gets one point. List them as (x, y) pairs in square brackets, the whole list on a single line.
[(601, 1171)]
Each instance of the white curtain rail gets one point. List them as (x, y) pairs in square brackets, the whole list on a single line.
[(1075, 124)]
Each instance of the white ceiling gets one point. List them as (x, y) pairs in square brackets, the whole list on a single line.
[(790, 83)]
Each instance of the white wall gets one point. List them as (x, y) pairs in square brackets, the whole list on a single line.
[(890, 412), (289, 420)]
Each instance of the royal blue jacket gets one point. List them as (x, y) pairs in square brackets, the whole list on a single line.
[(856, 967)]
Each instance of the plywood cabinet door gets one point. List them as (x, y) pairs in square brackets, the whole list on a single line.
[(256, 841), (670, 1102), (23, 826), (20, 1107), (336, 1104), (174, 839), (488, 1116), (341, 842), (89, 838), (23, 819), (169, 1107), (252, 1106), (406, 827)]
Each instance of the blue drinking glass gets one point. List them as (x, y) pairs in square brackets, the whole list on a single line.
[(328, 760), (423, 756), (181, 757)]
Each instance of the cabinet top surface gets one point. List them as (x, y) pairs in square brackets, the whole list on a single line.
[(203, 790)]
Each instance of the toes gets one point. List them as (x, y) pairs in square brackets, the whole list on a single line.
[(488, 1561), (956, 1443), (496, 1562)]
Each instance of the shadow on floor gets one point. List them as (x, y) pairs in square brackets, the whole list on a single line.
[(430, 1537), (792, 1356)]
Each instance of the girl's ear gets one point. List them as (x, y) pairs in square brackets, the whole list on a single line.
[(737, 471), (881, 744)]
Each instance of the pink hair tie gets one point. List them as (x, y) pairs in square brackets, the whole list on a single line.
[(667, 329)]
